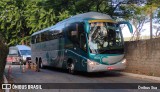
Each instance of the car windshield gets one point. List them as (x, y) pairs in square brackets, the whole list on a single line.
[(104, 36), (25, 52)]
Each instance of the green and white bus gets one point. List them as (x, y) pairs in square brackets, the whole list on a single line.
[(90, 42)]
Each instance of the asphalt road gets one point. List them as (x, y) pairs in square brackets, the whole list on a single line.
[(52, 75)]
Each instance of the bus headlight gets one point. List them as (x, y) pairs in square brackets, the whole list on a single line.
[(23, 58), (92, 63), (124, 61)]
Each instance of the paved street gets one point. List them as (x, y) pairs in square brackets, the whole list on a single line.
[(51, 75)]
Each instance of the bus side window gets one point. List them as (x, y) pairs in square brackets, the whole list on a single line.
[(83, 42), (33, 39), (72, 33), (49, 35), (44, 36), (82, 37), (37, 38), (52, 35)]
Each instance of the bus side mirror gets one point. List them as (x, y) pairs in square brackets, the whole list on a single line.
[(128, 24)]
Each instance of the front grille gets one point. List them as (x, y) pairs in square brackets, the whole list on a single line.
[(114, 51), (28, 58)]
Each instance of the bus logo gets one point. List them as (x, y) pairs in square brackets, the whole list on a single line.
[(6, 86)]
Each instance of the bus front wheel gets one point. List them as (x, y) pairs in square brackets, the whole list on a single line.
[(41, 65), (71, 68), (37, 65)]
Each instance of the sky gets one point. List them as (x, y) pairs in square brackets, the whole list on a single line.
[(146, 28)]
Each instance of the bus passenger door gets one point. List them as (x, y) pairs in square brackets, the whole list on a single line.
[(82, 47), (61, 48), (83, 52)]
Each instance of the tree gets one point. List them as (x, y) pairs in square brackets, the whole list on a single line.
[(137, 16), (20, 18), (13, 21), (154, 5), (139, 12), (3, 55)]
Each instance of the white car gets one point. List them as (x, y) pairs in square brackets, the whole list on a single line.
[(19, 54)]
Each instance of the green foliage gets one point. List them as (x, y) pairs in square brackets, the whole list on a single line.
[(20, 18), (63, 15)]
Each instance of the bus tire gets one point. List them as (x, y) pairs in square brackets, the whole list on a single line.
[(41, 64), (71, 68), (37, 65)]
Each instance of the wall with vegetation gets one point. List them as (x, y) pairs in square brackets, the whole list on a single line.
[(143, 57)]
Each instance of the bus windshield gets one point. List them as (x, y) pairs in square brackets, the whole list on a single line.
[(104, 36)]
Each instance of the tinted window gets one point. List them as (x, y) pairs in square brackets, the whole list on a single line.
[(83, 41), (82, 36), (13, 52), (72, 33), (37, 38), (33, 39), (76, 34), (44, 36), (51, 34)]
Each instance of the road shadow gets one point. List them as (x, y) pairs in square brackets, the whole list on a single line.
[(55, 69), (86, 74), (100, 74)]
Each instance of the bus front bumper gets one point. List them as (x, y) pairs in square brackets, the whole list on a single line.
[(96, 67)]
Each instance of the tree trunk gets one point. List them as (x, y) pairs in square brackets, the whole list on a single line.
[(23, 39)]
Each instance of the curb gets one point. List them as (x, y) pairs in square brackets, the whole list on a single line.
[(141, 76), (5, 81)]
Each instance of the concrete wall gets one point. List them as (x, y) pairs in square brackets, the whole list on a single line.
[(143, 57)]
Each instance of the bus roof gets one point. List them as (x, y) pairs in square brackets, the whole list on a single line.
[(93, 15), (83, 16)]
